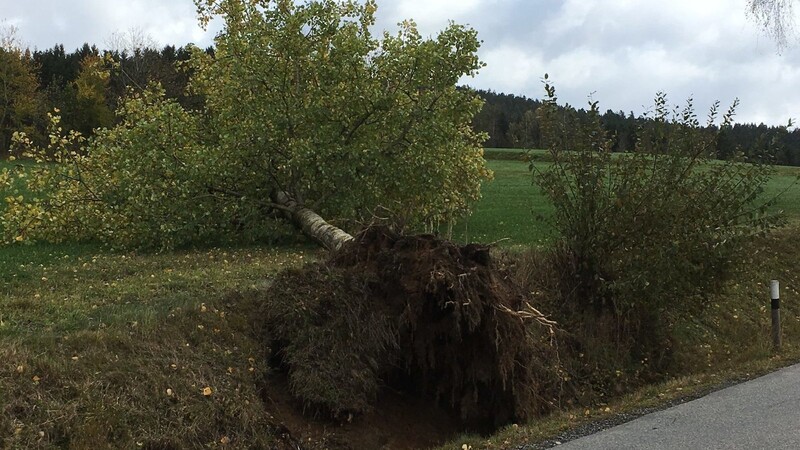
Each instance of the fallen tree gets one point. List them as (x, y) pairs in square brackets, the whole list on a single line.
[(308, 116)]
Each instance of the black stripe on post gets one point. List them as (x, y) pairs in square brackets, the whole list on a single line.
[(775, 295)]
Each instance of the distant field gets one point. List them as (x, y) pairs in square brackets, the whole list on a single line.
[(512, 207), (515, 154), (785, 183)]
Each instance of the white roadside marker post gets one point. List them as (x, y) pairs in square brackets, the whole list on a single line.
[(774, 289)]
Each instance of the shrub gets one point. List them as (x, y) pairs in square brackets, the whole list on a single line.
[(642, 233)]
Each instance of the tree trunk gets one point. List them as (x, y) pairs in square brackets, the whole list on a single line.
[(311, 223)]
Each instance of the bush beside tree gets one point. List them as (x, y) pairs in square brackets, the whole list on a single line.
[(642, 234)]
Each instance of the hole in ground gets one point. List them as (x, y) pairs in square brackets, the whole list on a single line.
[(398, 422)]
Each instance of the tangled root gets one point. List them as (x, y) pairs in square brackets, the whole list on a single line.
[(418, 314)]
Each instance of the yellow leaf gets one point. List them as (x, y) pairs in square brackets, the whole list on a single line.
[(207, 391)]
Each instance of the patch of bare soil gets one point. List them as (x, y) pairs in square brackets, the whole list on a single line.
[(397, 422)]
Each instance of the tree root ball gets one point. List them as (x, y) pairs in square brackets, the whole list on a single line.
[(417, 314)]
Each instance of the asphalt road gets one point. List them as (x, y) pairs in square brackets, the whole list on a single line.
[(759, 414)]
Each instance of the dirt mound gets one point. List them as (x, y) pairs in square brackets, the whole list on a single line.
[(416, 314)]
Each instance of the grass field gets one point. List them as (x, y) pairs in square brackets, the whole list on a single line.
[(127, 350), (513, 208)]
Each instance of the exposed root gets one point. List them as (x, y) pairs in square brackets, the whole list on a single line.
[(418, 314)]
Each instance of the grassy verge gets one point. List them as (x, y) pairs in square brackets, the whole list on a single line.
[(128, 351)]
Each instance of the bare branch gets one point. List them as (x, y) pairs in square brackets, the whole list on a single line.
[(776, 19), (9, 39), (131, 41)]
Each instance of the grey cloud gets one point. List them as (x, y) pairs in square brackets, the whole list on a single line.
[(622, 50), (44, 23)]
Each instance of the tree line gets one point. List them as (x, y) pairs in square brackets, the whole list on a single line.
[(511, 121), (86, 86)]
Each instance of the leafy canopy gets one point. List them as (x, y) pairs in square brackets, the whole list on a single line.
[(299, 99)]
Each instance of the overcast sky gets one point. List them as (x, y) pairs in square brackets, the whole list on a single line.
[(622, 51)]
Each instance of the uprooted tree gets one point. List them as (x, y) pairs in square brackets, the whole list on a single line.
[(307, 115)]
